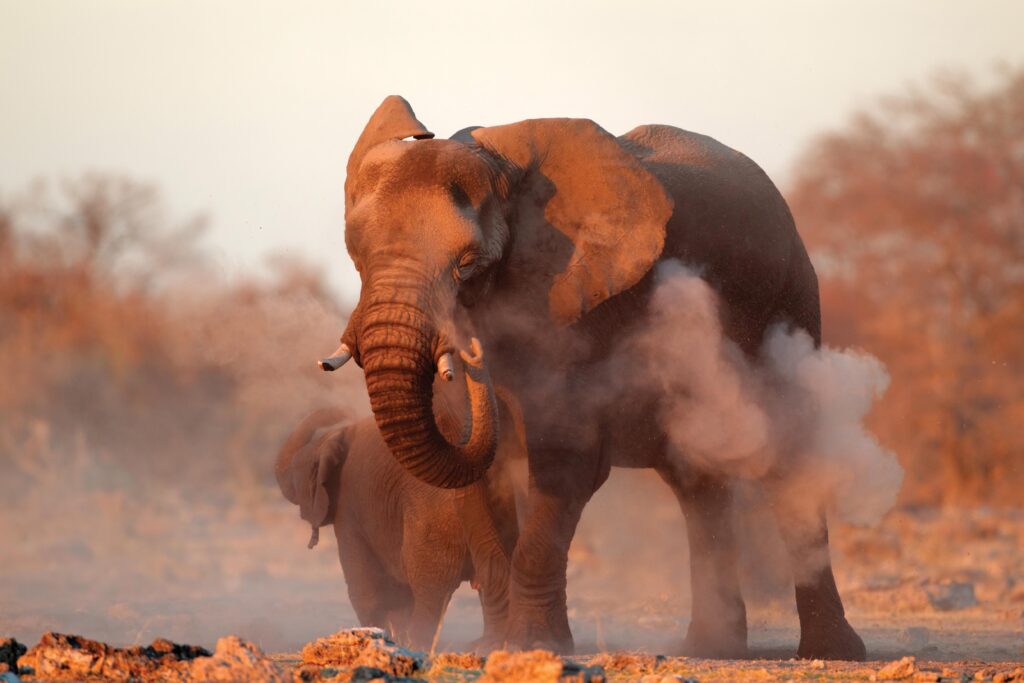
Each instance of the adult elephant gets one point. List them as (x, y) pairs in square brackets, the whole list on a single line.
[(541, 238)]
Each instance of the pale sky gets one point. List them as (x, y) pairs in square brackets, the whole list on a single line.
[(247, 110)]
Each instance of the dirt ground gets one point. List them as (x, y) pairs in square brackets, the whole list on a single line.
[(941, 585), (628, 666)]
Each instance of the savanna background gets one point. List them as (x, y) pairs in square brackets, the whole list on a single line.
[(172, 263)]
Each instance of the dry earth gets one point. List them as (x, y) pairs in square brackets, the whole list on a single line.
[(943, 586), (368, 655)]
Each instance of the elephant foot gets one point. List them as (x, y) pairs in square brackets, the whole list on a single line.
[(832, 639), (531, 634), (486, 644), (716, 641)]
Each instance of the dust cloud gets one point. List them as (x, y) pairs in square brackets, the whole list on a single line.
[(793, 417), (787, 427)]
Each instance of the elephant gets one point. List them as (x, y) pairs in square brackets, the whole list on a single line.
[(541, 239), (402, 544)]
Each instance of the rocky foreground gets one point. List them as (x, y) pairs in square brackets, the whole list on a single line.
[(367, 654)]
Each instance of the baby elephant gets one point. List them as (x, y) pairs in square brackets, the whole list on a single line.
[(405, 546)]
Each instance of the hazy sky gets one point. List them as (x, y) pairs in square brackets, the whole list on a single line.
[(248, 110)]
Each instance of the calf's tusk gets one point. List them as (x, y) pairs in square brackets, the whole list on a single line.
[(336, 359)]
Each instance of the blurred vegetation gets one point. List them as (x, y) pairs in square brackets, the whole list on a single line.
[(914, 214), (120, 343)]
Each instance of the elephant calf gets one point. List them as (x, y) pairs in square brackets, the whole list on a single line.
[(404, 545)]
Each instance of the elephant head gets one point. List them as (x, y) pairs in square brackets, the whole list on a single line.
[(307, 467), (554, 213)]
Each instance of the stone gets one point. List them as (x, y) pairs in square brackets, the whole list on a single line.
[(632, 663), (894, 671), (537, 665), (10, 651), (456, 660), (367, 647), (62, 657), (233, 659)]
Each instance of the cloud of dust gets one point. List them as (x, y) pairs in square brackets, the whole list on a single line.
[(787, 427), (794, 416)]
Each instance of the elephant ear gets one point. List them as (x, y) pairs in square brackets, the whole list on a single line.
[(589, 218), (393, 120), (308, 470)]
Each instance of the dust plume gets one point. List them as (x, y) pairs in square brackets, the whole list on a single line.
[(794, 417), (787, 427)]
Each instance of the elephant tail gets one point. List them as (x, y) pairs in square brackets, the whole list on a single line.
[(308, 464)]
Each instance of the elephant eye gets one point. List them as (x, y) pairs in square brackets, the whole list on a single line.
[(466, 266), (459, 195)]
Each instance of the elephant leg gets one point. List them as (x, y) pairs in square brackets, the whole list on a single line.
[(376, 598), (561, 483), (428, 608), (490, 553), (718, 624), (824, 631)]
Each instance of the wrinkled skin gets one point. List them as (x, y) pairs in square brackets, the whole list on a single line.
[(404, 545), (542, 238)]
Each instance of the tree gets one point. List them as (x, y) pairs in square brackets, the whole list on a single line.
[(914, 214)]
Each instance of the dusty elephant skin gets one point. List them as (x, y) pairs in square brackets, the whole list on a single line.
[(405, 546), (542, 239)]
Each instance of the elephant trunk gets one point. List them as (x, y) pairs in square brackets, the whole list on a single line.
[(396, 344)]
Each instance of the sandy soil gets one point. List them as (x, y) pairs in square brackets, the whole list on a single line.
[(940, 585)]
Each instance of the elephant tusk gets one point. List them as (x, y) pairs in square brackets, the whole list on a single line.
[(336, 359), (444, 367)]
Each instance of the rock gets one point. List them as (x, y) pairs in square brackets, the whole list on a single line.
[(533, 665), (894, 671), (368, 674), (456, 660), (537, 665), (577, 673), (66, 657), (367, 647), (233, 659), (59, 656), (1009, 676), (10, 651), (9, 677), (633, 663), (952, 596)]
